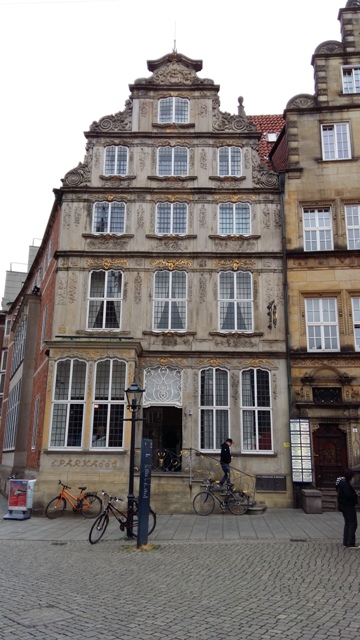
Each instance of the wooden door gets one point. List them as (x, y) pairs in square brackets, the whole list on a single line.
[(330, 455)]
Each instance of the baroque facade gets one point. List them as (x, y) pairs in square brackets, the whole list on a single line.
[(318, 153), (162, 262)]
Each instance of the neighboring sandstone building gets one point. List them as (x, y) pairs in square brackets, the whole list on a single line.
[(319, 151), (162, 262)]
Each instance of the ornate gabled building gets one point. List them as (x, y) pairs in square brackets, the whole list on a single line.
[(318, 153), (167, 269)]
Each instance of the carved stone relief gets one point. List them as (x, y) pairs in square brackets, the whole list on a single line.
[(235, 387), (61, 291), (140, 216), (203, 110), (171, 245), (137, 288), (142, 160), (105, 242), (202, 216), (247, 159), (77, 215), (203, 159), (274, 386), (266, 217), (121, 121), (223, 121), (202, 289), (234, 245), (66, 215)]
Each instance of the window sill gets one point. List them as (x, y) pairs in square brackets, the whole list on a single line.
[(323, 161), (237, 334), (169, 333), (107, 235), (170, 236), (227, 178), (173, 126), (116, 177), (172, 178), (233, 236)]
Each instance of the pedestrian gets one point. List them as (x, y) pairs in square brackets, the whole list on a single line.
[(347, 501), (225, 459)]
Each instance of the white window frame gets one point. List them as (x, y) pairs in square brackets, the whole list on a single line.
[(177, 114), (232, 157), (335, 146), (238, 303), (109, 404), (12, 415), (175, 153), (169, 304), (322, 324), (317, 229), (253, 412), (111, 166), (355, 303), (107, 223), (43, 327), (101, 304), (214, 416), (352, 217), (168, 218), (72, 400), (234, 219), (7, 326), (351, 79)]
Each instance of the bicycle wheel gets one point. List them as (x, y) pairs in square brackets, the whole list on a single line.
[(204, 503), (237, 505), (134, 523), (56, 507), (99, 527), (90, 506)]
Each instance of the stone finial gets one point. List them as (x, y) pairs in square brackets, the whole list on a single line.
[(241, 110)]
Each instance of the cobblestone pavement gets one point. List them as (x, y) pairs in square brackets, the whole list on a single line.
[(253, 589)]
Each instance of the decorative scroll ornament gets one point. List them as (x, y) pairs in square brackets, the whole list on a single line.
[(79, 176), (121, 121), (235, 264), (162, 386), (174, 73), (352, 3), (106, 263), (263, 177), (224, 121), (171, 264), (302, 101), (330, 46)]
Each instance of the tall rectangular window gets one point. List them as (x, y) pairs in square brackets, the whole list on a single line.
[(229, 161), (173, 161), (170, 300), (235, 301), (256, 411), (109, 404), (68, 404), (109, 217), (19, 345), (105, 298), (335, 141), (322, 324), (43, 327), (353, 226), (35, 422), (356, 321), (214, 408), (351, 79), (12, 415), (234, 219), (171, 218), (116, 161), (174, 110), (317, 225)]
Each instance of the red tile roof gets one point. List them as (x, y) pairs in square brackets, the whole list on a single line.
[(267, 124)]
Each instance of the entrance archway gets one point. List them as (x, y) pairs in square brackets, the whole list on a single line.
[(163, 425)]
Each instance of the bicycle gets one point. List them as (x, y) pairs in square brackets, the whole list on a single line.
[(129, 522), (88, 504), (236, 501)]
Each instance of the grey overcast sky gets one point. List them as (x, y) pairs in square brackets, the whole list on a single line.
[(65, 63)]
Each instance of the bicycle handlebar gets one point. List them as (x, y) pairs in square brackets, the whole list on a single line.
[(112, 497)]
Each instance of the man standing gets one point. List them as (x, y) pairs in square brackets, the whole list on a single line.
[(347, 500), (225, 459)]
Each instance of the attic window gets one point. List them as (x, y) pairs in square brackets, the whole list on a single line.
[(271, 137)]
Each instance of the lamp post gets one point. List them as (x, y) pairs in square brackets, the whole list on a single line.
[(134, 398)]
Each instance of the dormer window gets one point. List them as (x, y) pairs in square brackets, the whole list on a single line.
[(116, 161), (351, 79), (174, 110)]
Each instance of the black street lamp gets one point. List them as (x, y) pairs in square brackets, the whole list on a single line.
[(134, 397)]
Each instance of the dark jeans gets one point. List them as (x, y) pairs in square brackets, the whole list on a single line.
[(350, 525), (226, 470)]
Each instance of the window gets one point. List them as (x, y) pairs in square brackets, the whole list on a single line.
[(171, 218), (272, 137), (2, 382), (116, 161), (35, 422), (317, 225), (356, 321), (173, 161), (230, 161), (335, 141), (321, 324), (43, 328), (214, 408), (109, 404), (68, 404), (256, 410), (105, 300), (109, 217), (4, 356), (7, 326), (351, 79), (234, 219), (19, 345), (170, 293), (353, 226), (12, 415), (174, 110), (235, 301)]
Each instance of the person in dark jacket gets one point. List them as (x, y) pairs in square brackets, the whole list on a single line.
[(347, 501), (225, 459)]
